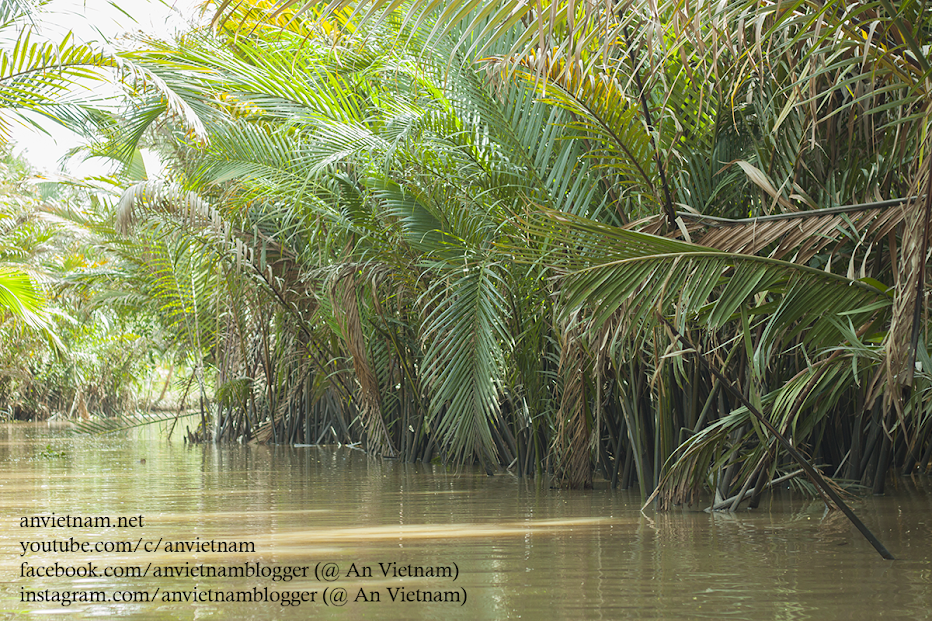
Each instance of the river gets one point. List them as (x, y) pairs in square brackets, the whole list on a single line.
[(327, 532)]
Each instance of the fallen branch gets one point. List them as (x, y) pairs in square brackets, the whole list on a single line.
[(748, 493)]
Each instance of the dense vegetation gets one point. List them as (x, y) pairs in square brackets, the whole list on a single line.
[(66, 351), (453, 230)]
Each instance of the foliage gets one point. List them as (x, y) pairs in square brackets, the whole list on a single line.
[(79, 355), (451, 229)]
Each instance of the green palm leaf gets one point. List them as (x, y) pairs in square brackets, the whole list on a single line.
[(607, 268), (464, 332), (19, 295)]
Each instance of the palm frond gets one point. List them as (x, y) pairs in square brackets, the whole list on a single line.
[(19, 295), (464, 335), (608, 268), (128, 422)]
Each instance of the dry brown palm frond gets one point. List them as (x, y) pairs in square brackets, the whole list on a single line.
[(908, 299), (347, 312), (574, 419), (799, 236)]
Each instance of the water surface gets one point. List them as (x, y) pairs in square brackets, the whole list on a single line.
[(519, 549)]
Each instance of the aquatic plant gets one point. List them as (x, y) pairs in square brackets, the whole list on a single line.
[(454, 231)]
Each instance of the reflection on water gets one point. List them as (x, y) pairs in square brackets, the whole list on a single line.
[(520, 550)]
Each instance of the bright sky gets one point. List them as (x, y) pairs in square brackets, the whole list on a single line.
[(95, 20)]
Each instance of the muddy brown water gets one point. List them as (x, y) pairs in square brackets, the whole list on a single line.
[(364, 539)]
